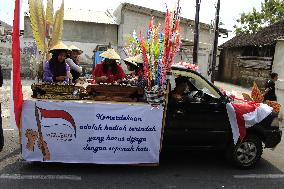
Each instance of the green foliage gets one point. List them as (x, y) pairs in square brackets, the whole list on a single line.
[(271, 11)]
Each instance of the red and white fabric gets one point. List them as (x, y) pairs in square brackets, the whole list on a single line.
[(245, 115), (186, 65)]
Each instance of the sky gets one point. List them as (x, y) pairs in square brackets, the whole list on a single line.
[(230, 9)]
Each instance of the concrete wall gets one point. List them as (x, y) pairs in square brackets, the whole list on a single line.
[(83, 32), (248, 76), (28, 54), (6, 57), (90, 32), (278, 67), (243, 71), (133, 20), (254, 69), (228, 66), (203, 58)]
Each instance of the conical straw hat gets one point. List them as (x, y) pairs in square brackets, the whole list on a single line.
[(130, 60), (110, 54), (138, 59), (74, 48), (59, 46)]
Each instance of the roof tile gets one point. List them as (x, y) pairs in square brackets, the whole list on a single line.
[(265, 37)]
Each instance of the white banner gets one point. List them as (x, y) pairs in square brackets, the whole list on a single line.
[(101, 133)]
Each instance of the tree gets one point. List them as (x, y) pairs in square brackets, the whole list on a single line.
[(271, 11)]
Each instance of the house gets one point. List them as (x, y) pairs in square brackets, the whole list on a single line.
[(84, 28), (5, 48), (87, 29), (5, 29), (249, 57), (5, 32), (132, 17)]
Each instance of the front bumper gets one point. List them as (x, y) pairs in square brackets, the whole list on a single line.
[(272, 138)]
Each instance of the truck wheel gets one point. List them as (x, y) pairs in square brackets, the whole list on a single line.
[(247, 153)]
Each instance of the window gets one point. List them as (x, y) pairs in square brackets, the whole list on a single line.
[(197, 81)]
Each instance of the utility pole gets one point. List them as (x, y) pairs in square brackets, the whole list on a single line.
[(196, 33), (215, 47)]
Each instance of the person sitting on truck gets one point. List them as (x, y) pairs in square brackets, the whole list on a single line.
[(73, 62), (135, 66), (108, 71), (184, 90), (56, 70)]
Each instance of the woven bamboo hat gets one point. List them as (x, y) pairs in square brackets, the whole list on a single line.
[(135, 60), (74, 48), (110, 54), (59, 46), (130, 60), (138, 59)]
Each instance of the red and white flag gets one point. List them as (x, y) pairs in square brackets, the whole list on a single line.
[(16, 88), (245, 115)]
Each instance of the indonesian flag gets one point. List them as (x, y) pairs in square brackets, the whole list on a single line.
[(245, 115), (16, 88), (53, 114)]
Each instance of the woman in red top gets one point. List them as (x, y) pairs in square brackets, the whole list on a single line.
[(108, 72)]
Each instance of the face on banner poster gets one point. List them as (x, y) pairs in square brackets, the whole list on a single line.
[(102, 133)]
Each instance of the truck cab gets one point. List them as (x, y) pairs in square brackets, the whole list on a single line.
[(201, 122)]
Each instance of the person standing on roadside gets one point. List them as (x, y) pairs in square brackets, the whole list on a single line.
[(1, 129), (269, 93)]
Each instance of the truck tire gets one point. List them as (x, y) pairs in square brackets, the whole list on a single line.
[(246, 153)]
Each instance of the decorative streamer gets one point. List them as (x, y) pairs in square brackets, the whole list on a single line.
[(158, 49)]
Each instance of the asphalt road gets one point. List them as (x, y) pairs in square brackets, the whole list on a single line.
[(176, 170)]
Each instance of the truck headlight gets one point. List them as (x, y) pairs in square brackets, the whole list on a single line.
[(275, 122)]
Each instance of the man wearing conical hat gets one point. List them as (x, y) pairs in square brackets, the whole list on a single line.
[(108, 71), (73, 61), (56, 70)]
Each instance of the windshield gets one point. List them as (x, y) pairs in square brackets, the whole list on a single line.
[(197, 81)]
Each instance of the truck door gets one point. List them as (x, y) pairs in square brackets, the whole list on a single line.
[(175, 130), (198, 123), (208, 124)]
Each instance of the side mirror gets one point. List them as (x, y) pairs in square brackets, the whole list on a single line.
[(198, 94), (225, 99)]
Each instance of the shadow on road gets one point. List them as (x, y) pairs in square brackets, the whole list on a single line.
[(176, 164), (9, 155)]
